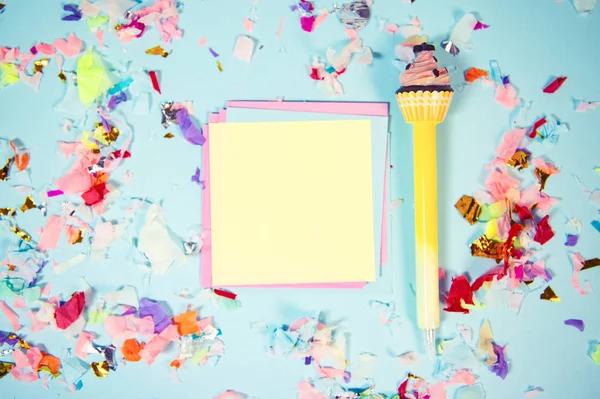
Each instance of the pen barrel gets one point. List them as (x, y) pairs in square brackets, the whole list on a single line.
[(426, 225)]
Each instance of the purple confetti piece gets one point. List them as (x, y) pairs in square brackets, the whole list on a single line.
[(213, 52), (294, 7), (75, 13), (578, 324), (500, 368), (33, 50), (54, 193), (116, 100), (505, 80), (596, 224), (190, 132), (571, 240), (307, 360), (305, 5), (155, 310), (196, 178), (105, 124)]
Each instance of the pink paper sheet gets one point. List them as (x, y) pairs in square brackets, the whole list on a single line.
[(366, 109)]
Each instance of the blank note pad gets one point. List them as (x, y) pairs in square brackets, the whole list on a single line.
[(291, 202)]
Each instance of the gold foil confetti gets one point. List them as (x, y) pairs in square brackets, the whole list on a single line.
[(542, 177), (7, 212), (110, 136), (157, 50), (169, 135), (549, 295), (5, 169), (483, 247), (75, 235), (5, 368), (28, 204), (62, 77), (469, 208), (519, 160), (588, 264), (100, 368), (39, 65), (21, 233), (20, 341), (219, 66)]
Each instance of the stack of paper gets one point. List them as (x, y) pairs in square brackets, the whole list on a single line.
[(295, 194)]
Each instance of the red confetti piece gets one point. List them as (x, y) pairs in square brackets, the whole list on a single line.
[(95, 194), (486, 278), (225, 294), (70, 310), (555, 85), (523, 212), (154, 80), (118, 154), (539, 123), (460, 291), (314, 74), (544, 232)]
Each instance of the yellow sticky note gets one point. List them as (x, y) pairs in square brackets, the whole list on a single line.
[(291, 203)]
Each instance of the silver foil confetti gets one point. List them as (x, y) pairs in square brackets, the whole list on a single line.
[(169, 114), (354, 15), (450, 47)]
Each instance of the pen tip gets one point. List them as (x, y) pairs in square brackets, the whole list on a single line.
[(430, 342)]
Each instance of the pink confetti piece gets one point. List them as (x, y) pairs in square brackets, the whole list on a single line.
[(100, 37), (280, 28), (10, 314), (54, 193), (248, 25), (203, 41), (577, 266), (479, 26)]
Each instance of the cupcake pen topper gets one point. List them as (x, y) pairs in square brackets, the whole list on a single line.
[(424, 98)]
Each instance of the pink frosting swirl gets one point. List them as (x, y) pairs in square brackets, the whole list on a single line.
[(425, 72)]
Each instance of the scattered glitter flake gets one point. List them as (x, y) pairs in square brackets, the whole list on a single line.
[(169, 135)]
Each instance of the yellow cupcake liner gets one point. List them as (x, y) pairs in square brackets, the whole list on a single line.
[(424, 106)]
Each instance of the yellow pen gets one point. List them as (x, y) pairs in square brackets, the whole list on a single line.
[(424, 99)]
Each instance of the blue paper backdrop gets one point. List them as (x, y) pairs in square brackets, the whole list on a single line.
[(532, 41)]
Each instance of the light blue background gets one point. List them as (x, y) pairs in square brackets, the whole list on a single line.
[(532, 42)]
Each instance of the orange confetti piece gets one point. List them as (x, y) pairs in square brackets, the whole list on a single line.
[(475, 73), (131, 350), (186, 323), (21, 158), (50, 364), (176, 363)]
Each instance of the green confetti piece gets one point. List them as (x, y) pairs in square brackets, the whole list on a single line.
[(92, 77), (8, 75), (596, 355), (95, 317), (95, 23), (199, 356)]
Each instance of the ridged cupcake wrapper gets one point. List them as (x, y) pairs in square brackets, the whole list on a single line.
[(424, 106)]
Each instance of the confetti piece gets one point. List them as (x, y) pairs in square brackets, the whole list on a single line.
[(202, 41), (578, 324), (571, 240), (158, 50), (543, 232), (595, 355), (219, 66), (70, 311), (555, 85), (469, 208), (213, 52), (472, 74), (584, 106), (225, 294), (244, 48), (154, 80), (596, 224), (590, 263), (460, 294), (549, 295), (10, 315)]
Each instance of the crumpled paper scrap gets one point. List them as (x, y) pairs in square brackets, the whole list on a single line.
[(156, 242), (70, 311), (155, 310), (69, 47)]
